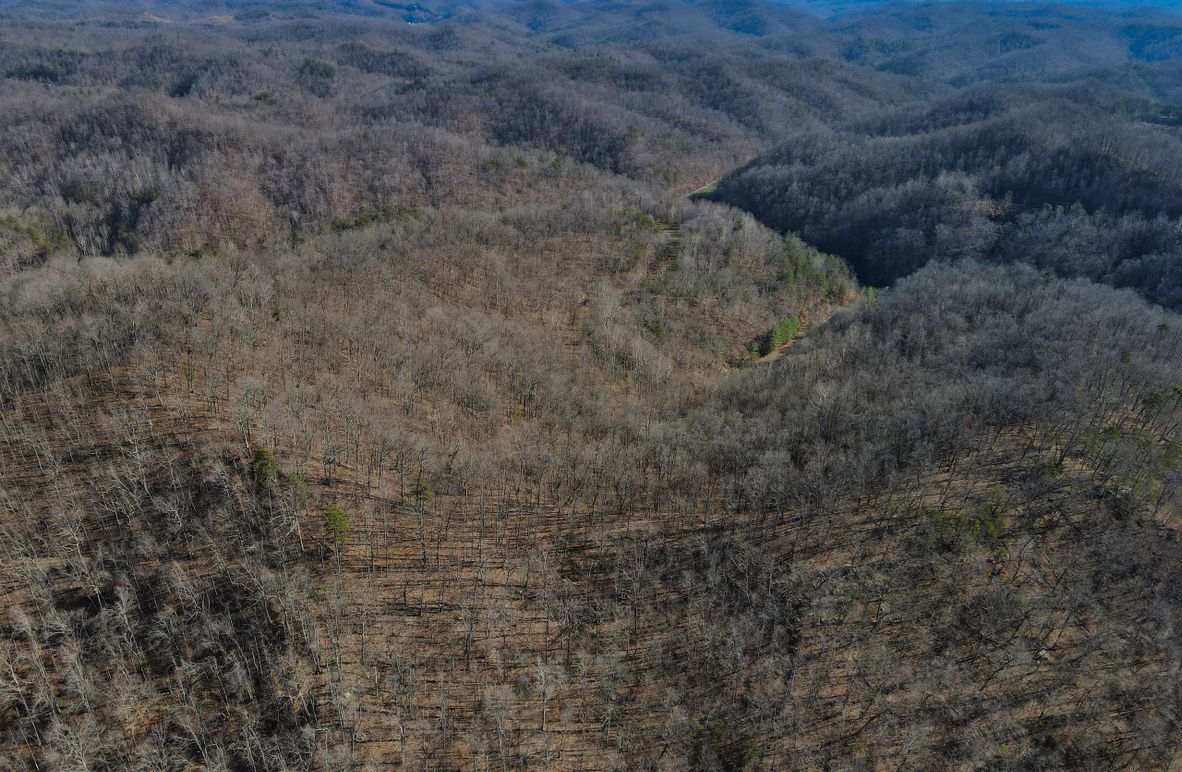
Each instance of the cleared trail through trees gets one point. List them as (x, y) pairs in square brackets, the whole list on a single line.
[(669, 250)]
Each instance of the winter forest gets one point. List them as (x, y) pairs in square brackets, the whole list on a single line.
[(590, 385)]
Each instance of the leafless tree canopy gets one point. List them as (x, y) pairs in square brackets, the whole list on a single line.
[(504, 384)]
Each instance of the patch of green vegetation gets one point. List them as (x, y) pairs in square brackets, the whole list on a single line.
[(317, 69), (45, 241), (367, 216), (423, 492), (712, 734), (982, 523), (627, 218), (1046, 469), (667, 172), (719, 747), (801, 263), (703, 193), (785, 330), (299, 490), (125, 220), (336, 525), (1153, 401), (205, 252), (143, 198), (264, 468)]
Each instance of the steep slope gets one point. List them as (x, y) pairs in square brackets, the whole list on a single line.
[(371, 397), (519, 357)]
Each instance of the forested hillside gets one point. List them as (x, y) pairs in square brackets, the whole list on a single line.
[(379, 390), (1060, 148)]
